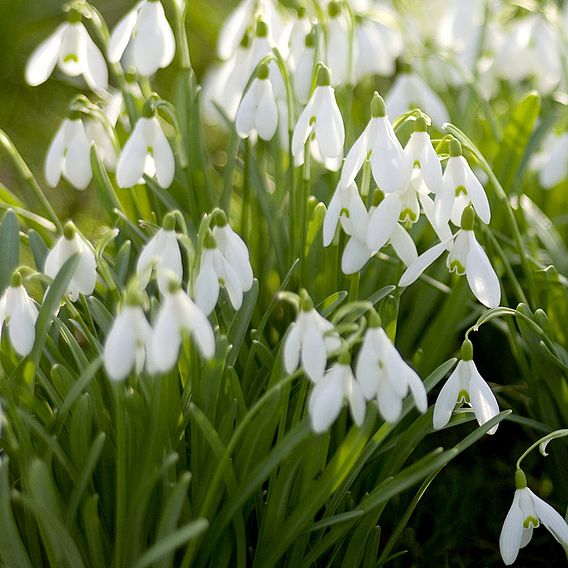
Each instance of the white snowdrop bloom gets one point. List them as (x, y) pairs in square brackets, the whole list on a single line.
[(309, 340), (551, 161), (383, 221), (382, 41), (70, 48), (147, 35), (527, 512), (69, 244), (243, 16), (233, 249), (301, 28), (384, 375), (321, 122), (69, 155), (128, 341), (161, 253), (465, 257), (20, 313), (410, 91), (218, 271), (422, 157), (178, 314), (302, 68), (460, 187), (337, 48), (147, 151), (378, 143), (258, 112), (465, 384), (327, 396)]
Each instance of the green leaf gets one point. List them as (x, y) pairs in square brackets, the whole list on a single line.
[(9, 248), (516, 138)]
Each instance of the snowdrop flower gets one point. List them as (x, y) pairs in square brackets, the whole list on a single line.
[(20, 313), (178, 314), (384, 375), (218, 270), (302, 68), (326, 399), (526, 513), (465, 384), (162, 253), (69, 244), (410, 91), (69, 154), (310, 338), (147, 151), (338, 48), (550, 162), (322, 118), (460, 187), (70, 48), (465, 257), (129, 338), (379, 144), (233, 249), (301, 28), (147, 35), (258, 112)]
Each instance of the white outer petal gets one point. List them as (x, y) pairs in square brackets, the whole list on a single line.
[(403, 245), (390, 167), (383, 222), (95, 69), (266, 114), (195, 321), (330, 132), (511, 533), (477, 196), (163, 155), (302, 130), (481, 396), (413, 272), (245, 114), (130, 167), (551, 519), (326, 400), (121, 35), (355, 158), (120, 346), (207, 285), (77, 161), (292, 347), (447, 398), (417, 389), (166, 339), (43, 59), (481, 277), (313, 353), (355, 256), (56, 155)]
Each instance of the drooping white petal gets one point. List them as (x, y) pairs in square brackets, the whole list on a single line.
[(246, 113), (232, 285), (163, 155), (355, 256), (42, 61), (413, 272), (447, 398), (302, 131), (367, 368), (169, 42), (390, 403), (72, 50), (77, 161), (121, 35), (330, 132), (511, 533), (417, 389), (56, 155), (266, 116), (292, 347), (120, 346), (325, 402), (355, 158), (481, 396), (332, 216), (195, 321), (166, 339), (207, 285), (85, 276), (481, 277), (170, 266), (236, 253), (234, 28), (95, 70), (130, 167), (357, 403), (22, 324), (314, 355), (477, 195), (551, 519), (403, 245), (383, 222)]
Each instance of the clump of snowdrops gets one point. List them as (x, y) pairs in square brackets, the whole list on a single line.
[(215, 377)]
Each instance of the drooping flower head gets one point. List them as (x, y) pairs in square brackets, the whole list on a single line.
[(322, 124), (526, 513), (146, 37), (20, 313), (309, 340), (465, 384), (161, 253), (69, 244), (128, 342), (70, 48), (147, 151)]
